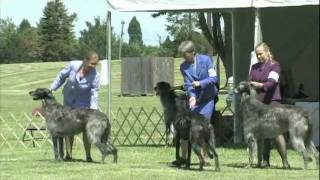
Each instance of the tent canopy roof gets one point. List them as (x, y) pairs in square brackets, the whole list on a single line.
[(176, 5)]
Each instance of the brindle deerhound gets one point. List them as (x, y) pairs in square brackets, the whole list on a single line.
[(262, 121), (63, 121), (188, 125)]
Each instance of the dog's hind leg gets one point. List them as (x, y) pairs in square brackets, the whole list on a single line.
[(313, 150), (197, 150), (215, 156), (212, 148), (298, 145), (106, 149)]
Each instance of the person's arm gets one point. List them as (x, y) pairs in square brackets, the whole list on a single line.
[(273, 77), (94, 103), (189, 88), (272, 80), (188, 83), (212, 78), (61, 78)]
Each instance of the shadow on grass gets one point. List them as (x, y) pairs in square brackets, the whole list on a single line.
[(233, 146), (245, 166), (196, 168), (71, 161)]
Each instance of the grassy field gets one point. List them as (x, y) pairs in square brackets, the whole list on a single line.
[(135, 162)]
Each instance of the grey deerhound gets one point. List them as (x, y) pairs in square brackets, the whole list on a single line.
[(63, 121), (187, 125), (262, 121)]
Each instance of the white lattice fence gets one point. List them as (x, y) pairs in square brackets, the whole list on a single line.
[(129, 127), (138, 127)]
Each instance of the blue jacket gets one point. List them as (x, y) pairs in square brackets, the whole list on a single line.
[(76, 92), (204, 73)]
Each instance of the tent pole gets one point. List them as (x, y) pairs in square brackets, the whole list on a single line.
[(237, 132), (108, 51)]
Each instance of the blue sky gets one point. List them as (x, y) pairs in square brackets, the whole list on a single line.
[(86, 10)]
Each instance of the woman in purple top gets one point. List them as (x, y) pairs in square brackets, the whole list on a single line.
[(264, 77)]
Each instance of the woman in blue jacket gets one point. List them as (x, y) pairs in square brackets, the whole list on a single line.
[(80, 90), (200, 82)]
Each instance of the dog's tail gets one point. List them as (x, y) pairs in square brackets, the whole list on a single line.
[(308, 138), (107, 133)]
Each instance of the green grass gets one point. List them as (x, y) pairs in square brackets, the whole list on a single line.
[(140, 162), (143, 163)]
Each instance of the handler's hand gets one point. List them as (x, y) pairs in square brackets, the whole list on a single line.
[(195, 84), (192, 102), (256, 84)]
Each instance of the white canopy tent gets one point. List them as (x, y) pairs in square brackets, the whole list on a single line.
[(289, 42), (174, 5)]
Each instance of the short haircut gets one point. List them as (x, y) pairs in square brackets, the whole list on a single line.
[(186, 46)]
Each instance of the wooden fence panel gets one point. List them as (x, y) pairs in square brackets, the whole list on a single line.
[(140, 74), (163, 70)]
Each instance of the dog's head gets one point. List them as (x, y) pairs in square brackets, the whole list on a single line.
[(41, 93), (245, 89), (162, 87), (181, 102)]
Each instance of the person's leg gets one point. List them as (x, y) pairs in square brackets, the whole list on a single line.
[(266, 153), (87, 147)]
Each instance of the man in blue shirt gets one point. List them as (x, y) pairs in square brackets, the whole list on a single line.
[(80, 90)]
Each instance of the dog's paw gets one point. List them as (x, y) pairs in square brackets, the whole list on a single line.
[(89, 159)]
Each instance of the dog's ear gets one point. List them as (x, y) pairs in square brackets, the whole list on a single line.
[(49, 93)]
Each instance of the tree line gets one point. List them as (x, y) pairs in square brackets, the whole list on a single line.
[(53, 38)]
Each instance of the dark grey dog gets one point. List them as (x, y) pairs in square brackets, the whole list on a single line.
[(262, 121), (63, 121), (167, 95), (194, 127), (187, 125)]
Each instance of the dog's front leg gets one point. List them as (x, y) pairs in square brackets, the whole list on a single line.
[(178, 147), (251, 145), (57, 147), (189, 155)]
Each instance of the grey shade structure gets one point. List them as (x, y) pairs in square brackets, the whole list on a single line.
[(290, 27)]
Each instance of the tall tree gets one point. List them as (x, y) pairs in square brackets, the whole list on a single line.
[(24, 25), (221, 42), (18, 44), (135, 38), (94, 39), (184, 26), (8, 41), (56, 32)]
